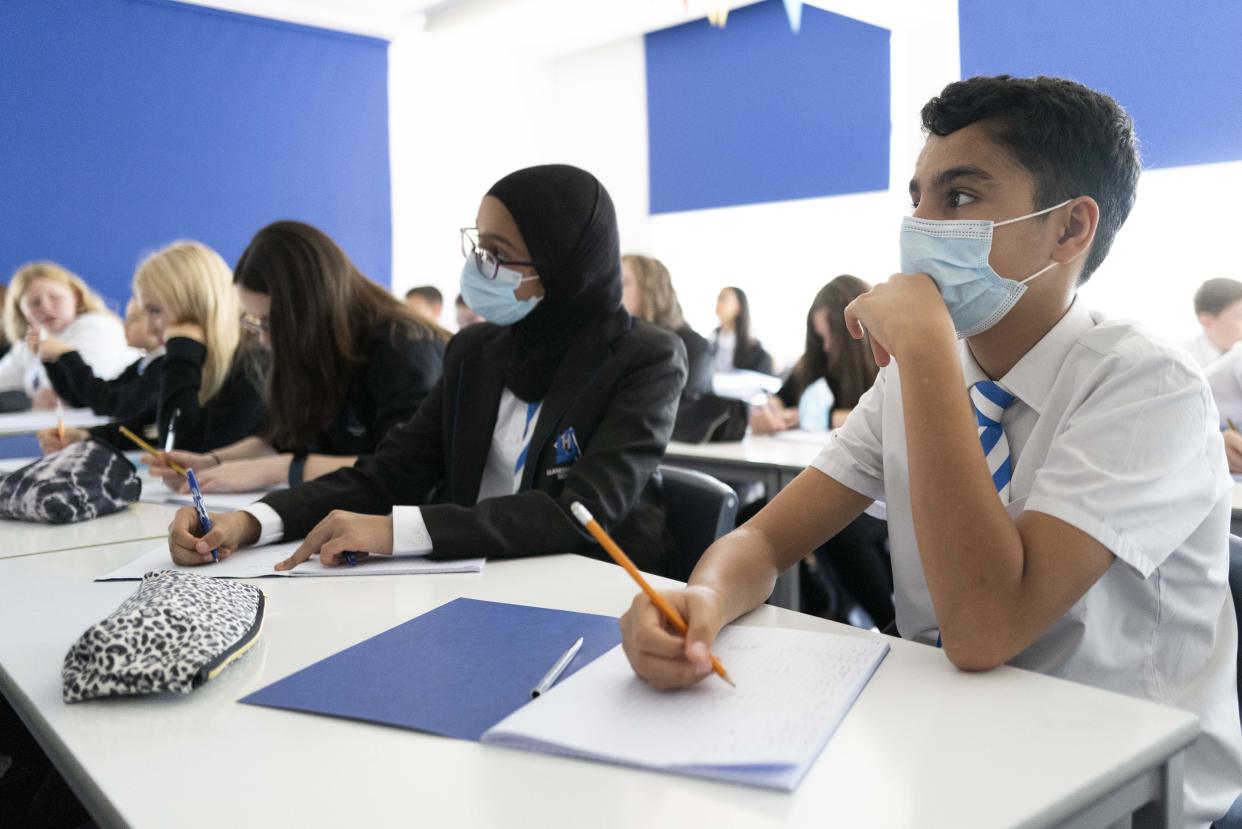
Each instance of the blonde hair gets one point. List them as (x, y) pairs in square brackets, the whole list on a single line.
[(195, 285), (15, 324), (655, 285)]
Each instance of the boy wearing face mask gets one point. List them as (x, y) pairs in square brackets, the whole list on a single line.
[(1057, 492)]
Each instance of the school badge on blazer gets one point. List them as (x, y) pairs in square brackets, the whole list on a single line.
[(567, 451), (567, 447)]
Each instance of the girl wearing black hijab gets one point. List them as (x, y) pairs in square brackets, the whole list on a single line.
[(562, 396)]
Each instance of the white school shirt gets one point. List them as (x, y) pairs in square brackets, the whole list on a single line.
[(1115, 434), (1202, 349), (724, 343), (515, 424), (1225, 378), (98, 337)]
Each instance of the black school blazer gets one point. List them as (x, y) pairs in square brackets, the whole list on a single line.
[(617, 388)]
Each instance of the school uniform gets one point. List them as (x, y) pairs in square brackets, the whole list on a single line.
[(98, 336), (1203, 350), (724, 351), (1225, 378), (699, 362), (396, 374), (124, 397), (1115, 434), (234, 412), (596, 436)]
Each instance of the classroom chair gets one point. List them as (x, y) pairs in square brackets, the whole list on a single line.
[(700, 510)]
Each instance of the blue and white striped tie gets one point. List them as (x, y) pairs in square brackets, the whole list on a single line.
[(532, 409), (990, 401)]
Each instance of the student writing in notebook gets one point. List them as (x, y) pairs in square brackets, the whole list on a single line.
[(125, 396), (348, 362), (1056, 485), (561, 396), (211, 375)]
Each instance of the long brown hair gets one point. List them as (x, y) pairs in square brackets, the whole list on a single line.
[(323, 310), (849, 361), (660, 304)]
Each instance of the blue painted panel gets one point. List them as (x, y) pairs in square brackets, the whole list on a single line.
[(125, 124), (1176, 67), (754, 113)]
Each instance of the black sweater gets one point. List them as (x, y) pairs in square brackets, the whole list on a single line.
[(124, 397), (233, 413), (617, 387), (396, 375)]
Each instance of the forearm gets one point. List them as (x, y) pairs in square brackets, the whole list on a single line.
[(251, 447), (742, 567), (972, 553)]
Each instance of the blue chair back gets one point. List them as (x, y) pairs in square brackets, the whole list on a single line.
[(700, 509)]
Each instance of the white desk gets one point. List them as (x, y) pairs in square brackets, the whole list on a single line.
[(34, 420), (774, 460), (926, 746), (135, 522)]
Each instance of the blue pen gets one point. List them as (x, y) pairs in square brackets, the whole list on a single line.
[(204, 522), (350, 558)]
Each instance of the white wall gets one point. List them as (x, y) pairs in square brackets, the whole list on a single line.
[(474, 97)]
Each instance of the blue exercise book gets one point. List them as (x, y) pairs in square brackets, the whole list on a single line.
[(455, 671), (466, 670)]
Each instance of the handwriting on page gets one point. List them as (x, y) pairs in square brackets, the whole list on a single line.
[(793, 688)]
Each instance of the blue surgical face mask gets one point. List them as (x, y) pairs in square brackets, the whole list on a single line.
[(493, 299), (955, 253)]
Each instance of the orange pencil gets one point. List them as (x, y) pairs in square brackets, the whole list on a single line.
[(618, 555), (151, 450), (60, 421)]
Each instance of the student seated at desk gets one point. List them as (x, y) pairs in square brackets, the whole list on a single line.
[(1056, 486), (348, 362), (732, 344), (426, 301), (1218, 305), (829, 379), (211, 375), (835, 367), (562, 396), (45, 300), (126, 396), (647, 292)]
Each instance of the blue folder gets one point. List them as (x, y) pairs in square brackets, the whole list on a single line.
[(454, 671)]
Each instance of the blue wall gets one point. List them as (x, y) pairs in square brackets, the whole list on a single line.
[(1177, 67), (125, 124), (754, 113)]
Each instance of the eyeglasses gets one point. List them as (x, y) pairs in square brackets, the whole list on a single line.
[(255, 325), (488, 262)]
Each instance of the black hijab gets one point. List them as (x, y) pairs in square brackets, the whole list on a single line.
[(567, 220)]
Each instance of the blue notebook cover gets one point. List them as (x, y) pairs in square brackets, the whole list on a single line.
[(454, 671)]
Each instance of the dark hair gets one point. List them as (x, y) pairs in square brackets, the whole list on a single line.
[(430, 293), (460, 302), (323, 311), (1074, 141), (1216, 295), (849, 361), (741, 329)]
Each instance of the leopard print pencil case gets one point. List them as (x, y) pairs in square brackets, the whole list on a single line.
[(175, 633)]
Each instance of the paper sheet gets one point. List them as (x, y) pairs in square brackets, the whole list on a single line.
[(155, 491), (258, 562), (29, 422), (793, 690)]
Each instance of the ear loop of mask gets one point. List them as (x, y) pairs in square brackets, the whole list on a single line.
[(1052, 264)]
